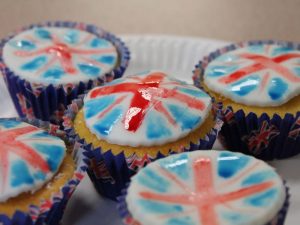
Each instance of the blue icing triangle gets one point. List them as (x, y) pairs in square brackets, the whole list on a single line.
[(245, 86), (258, 48), (258, 177), (20, 174), (39, 175), (229, 164), (186, 119), (54, 154), (89, 69), (159, 208), (98, 42), (263, 199), (193, 92), (104, 126), (42, 33), (71, 36), (227, 57), (9, 123), (23, 45), (153, 180), (277, 88), (95, 106), (107, 59), (35, 63), (297, 71), (281, 50), (42, 134), (216, 71), (236, 217), (54, 73), (180, 220), (177, 164), (156, 127)]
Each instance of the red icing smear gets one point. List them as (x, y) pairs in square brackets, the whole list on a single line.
[(11, 145), (204, 197), (147, 92), (260, 63), (62, 53)]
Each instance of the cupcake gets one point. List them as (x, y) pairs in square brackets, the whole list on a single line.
[(256, 88), (138, 119), (185, 189), (38, 173), (47, 65)]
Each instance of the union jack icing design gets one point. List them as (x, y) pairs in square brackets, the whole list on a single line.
[(145, 110), (206, 188), (56, 55), (258, 74), (29, 157)]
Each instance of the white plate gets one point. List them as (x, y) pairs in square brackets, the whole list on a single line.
[(177, 56)]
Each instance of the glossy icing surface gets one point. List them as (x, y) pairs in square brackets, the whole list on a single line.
[(52, 55), (145, 110), (258, 75), (29, 157), (207, 188)]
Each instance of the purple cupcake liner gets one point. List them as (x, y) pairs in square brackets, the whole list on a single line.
[(48, 103), (110, 172), (265, 137), (50, 211), (127, 218)]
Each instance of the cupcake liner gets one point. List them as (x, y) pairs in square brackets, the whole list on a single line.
[(49, 102), (127, 218), (50, 211), (110, 172), (263, 136)]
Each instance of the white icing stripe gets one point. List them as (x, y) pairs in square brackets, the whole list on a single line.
[(29, 157), (52, 55), (258, 75), (204, 188), (145, 110)]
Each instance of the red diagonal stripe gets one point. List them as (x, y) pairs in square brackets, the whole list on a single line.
[(29, 155), (244, 192), (261, 62), (13, 133)]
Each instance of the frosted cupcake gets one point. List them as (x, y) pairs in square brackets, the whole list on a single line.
[(256, 84), (38, 174), (47, 65), (138, 119), (185, 189)]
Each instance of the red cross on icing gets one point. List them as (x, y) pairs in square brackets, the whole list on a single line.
[(261, 62), (10, 144), (147, 92), (204, 197), (63, 53)]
